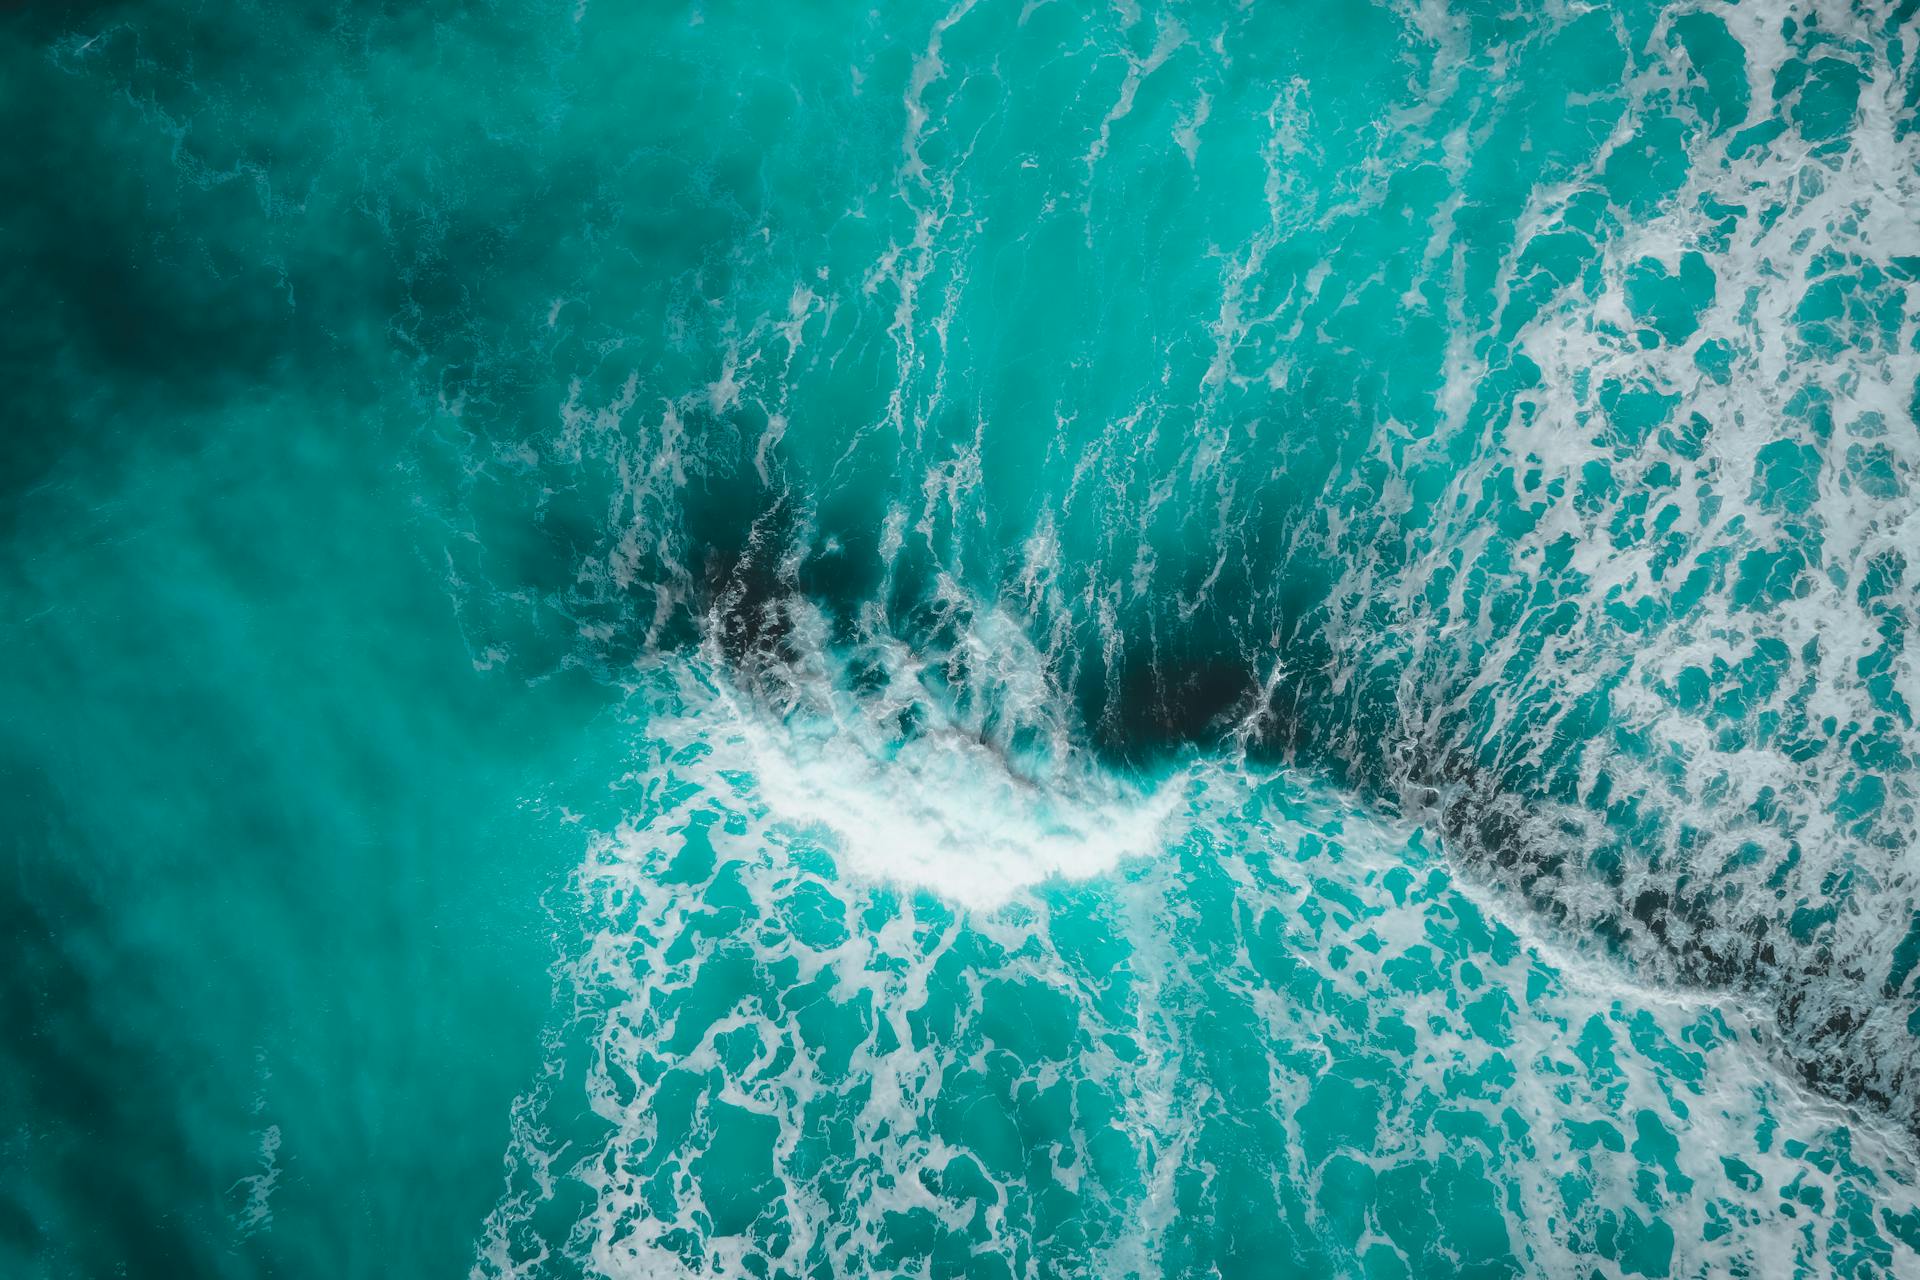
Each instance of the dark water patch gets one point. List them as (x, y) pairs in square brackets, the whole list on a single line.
[(103, 1174)]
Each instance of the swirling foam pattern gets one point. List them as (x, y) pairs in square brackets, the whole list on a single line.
[(1165, 639), (1290, 1041)]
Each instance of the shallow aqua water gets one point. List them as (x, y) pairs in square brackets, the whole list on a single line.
[(978, 639)]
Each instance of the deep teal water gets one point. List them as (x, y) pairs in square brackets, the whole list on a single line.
[(960, 640)]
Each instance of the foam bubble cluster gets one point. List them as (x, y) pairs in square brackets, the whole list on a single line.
[(1511, 413), (1289, 1036)]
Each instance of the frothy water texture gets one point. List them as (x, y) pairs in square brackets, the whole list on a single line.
[(963, 639)]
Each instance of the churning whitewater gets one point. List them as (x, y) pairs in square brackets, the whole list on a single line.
[(998, 638)]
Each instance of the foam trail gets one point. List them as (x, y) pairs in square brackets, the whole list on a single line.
[(1518, 424), (1284, 1029)]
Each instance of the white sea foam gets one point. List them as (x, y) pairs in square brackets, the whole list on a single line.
[(975, 803), (1589, 1096), (1774, 221), (949, 773)]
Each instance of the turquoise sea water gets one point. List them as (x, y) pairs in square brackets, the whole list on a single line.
[(976, 639)]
